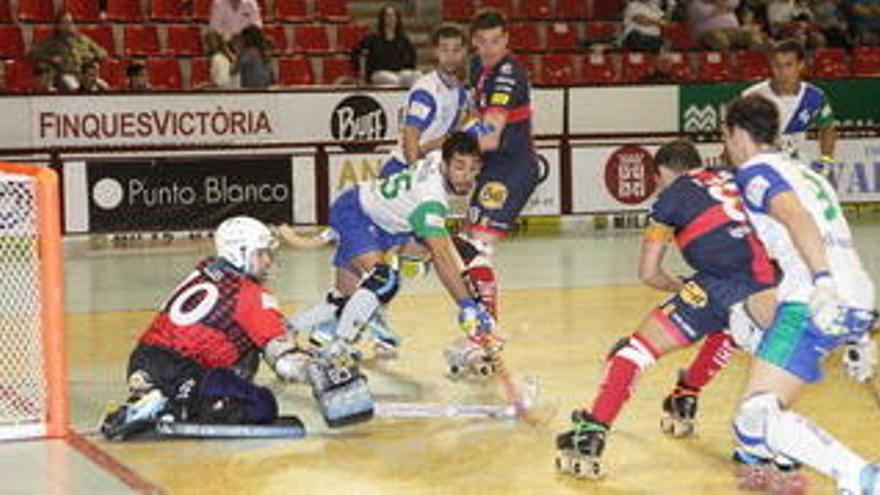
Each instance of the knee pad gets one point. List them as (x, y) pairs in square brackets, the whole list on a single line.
[(383, 281), (635, 351), (758, 415)]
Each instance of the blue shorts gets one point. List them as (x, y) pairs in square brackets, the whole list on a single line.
[(391, 166), (356, 232), (795, 344), (504, 186), (702, 306)]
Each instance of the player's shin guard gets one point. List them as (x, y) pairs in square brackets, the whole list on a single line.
[(479, 272), (377, 288), (315, 318), (626, 361), (764, 430), (714, 355)]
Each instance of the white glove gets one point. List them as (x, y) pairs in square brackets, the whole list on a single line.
[(825, 305), (860, 359)]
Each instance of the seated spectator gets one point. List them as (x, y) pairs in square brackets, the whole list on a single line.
[(750, 22), (231, 17), (221, 58), (389, 57), (662, 73), (65, 52), (714, 25), (138, 78), (865, 16), (253, 66), (791, 19), (90, 81), (828, 18), (643, 25)]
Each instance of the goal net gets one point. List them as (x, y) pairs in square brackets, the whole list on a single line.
[(32, 388)]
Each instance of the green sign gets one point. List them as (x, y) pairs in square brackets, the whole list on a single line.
[(856, 102)]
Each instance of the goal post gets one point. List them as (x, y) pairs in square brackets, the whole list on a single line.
[(33, 388)]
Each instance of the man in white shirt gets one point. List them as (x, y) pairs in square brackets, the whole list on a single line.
[(230, 17), (642, 26)]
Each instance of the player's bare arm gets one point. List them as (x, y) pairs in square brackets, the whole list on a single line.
[(449, 266), (651, 272), (788, 210)]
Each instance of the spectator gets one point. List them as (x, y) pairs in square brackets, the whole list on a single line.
[(750, 22), (66, 51), (389, 55), (865, 15), (791, 19), (828, 18), (90, 81), (714, 24), (663, 72), (221, 57), (643, 25), (45, 77), (254, 63), (231, 17), (138, 78)]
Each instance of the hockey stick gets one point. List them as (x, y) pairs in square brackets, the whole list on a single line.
[(285, 428), (290, 237), (409, 410)]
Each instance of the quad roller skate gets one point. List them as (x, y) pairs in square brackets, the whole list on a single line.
[(581, 447), (136, 416), (385, 342), (466, 358), (680, 411), (778, 475)]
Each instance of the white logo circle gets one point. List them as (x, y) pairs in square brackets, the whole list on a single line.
[(107, 193)]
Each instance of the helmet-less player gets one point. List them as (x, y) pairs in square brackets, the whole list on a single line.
[(802, 106), (825, 300), (195, 361)]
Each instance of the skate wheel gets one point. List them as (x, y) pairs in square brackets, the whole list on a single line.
[(753, 478), (666, 425), (484, 370), (681, 429)]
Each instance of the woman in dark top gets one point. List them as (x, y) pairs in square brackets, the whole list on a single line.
[(388, 54), (254, 63)]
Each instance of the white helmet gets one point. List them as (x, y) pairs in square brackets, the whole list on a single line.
[(238, 238)]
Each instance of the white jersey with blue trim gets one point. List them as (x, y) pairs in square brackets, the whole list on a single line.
[(797, 113), (433, 106), (768, 174)]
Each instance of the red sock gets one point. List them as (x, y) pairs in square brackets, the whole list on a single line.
[(713, 355), (622, 369)]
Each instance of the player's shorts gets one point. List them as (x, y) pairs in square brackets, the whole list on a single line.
[(795, 344), (504, 186), (702, 306), (167, 370), (356, 232), (391, 166)]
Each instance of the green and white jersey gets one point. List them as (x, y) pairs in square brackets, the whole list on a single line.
[(807, 109), (413, 200)]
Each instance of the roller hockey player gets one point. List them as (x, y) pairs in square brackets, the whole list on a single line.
[(195, 362), (825, 300), (373, 219), (699, 208)]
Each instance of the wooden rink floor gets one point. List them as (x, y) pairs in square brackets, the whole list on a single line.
[(565, 301)]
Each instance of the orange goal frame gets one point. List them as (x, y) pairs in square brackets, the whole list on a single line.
[(51, 292)]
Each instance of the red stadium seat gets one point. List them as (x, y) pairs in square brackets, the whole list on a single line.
[(18, 75), (866, 60), (334, 68), (295, 71), (291, 10), (713, 66), (311, 39), (164, 73), (168, 10), (36, 10), (83, 10), (101, 34), (41, 33), (184, 39), (562, 36), (525, 36), (199, 72), (830, 63), (201, 10), (458, 10), (681, 68), (534, 9), (598, 68), (528, 63), (11, 42), (752, 65), (679, 35), (602, 32), (349, 35), (124, 10), (277, 35), (635, 66), (5, 11), (141, 40), (332, 10), (557, 69), (504, 6), (113, 72), (608, 9), (572, 9)]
